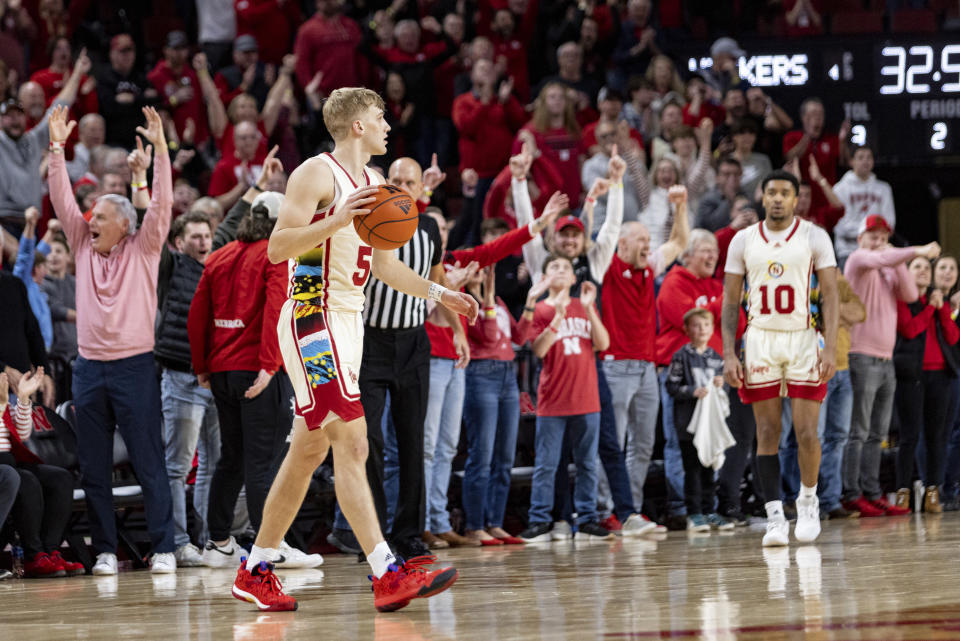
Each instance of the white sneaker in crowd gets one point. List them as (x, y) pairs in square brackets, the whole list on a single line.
[(292, 558), (637, 525), (188, 556), (106, 564), (561, 531), (227, 556), (163, 563)]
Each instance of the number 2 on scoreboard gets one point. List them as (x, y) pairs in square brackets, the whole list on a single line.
[(783, 299)]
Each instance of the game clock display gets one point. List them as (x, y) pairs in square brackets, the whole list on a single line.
[(901, 95)]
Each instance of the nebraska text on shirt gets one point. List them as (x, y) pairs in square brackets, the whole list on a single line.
[(223, 323), (574, 327)]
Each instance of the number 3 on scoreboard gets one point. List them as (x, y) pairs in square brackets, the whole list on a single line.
[(363, 262), (783, 299)]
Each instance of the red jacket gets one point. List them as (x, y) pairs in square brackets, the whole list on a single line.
[(234, 314), (20, 452), (910, 326), (488, 342), (329, 45), (486, 132), (682, 291), (545, 177)]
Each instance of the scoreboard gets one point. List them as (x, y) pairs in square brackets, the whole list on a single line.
[(901, 94)]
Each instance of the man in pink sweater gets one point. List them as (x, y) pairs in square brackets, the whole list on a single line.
[(114, 381), (878, 274)]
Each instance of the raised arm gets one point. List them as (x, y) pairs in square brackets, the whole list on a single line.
[(598, 332), (680, 231), (600, 255), (61, 192), (295, 233), (152, 234), (227, 229), (216, 113), (274, 102)]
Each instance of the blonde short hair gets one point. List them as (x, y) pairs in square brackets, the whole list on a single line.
[(345, 105)]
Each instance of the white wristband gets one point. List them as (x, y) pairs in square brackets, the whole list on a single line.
[(435, 293)]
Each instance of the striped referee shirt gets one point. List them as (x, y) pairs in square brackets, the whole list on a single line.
[(386, 308)]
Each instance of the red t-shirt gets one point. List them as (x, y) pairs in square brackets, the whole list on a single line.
[(52, 83), (166, 81), (329, 45), (568, 380), (629, 312), (227, 173), (227, 147), (826, 150), (516, 56), (270, 23)]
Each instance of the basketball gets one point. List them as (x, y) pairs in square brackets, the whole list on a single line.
[(392, 220)]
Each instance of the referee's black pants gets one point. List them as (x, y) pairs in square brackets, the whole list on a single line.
[(397, 360)]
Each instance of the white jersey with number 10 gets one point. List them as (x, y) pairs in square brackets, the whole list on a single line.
[(778, 267)]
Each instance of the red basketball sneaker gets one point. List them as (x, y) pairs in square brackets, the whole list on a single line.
[(262, 587), (396, 588), (71, 568)]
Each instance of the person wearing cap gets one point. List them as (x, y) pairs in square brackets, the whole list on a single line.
[(860, 193), (179, 88), (122, 91), (245, 75), (235, 353), (22, 151), (878, 274), (724, 73)]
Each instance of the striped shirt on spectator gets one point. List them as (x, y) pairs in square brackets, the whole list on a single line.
[(16, 416), (386, 308)]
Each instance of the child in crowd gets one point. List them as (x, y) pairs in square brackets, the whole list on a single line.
[(693, 369), (566, 333)]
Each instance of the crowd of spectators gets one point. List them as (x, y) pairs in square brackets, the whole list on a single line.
[(130, 154)]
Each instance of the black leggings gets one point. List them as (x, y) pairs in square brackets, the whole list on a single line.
[(923, 405), (43, 505), (698, 484)]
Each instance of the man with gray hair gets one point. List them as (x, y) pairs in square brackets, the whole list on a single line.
[(114, 380)]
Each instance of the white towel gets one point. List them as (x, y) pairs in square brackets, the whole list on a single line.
[(709, 427)]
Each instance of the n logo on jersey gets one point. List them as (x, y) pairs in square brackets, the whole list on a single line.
[(571, 345), (775, 270)]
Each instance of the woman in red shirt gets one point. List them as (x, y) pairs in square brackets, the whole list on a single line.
[(926, 368), (491, 412)]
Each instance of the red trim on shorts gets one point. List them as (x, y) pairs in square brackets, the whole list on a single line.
[(303, 366), (336, 360), (337, 162), (758, 393), (796, 225), (811, 391)]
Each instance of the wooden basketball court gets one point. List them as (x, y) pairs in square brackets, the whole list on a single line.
[(886, 578)]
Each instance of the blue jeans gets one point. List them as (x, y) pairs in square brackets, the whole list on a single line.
[(584, 433), (672, 459), (189, 424), (874, 382), (492, 410), (122, 394), (441, 435), (833, 429), (636, 401)]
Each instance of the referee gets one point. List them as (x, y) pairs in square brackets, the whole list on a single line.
[(396, 358)]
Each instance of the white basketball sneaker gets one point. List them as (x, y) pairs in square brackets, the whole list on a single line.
[(778, 532), (808, 519)]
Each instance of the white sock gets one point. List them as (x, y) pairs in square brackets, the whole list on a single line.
[(808, 492), (258, 554), (380, 559), (774, 510)]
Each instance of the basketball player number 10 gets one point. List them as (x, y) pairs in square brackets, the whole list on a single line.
[(782, 299)]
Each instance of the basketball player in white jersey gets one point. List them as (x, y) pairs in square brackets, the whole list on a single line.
[(321, 338), (784, 355)]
